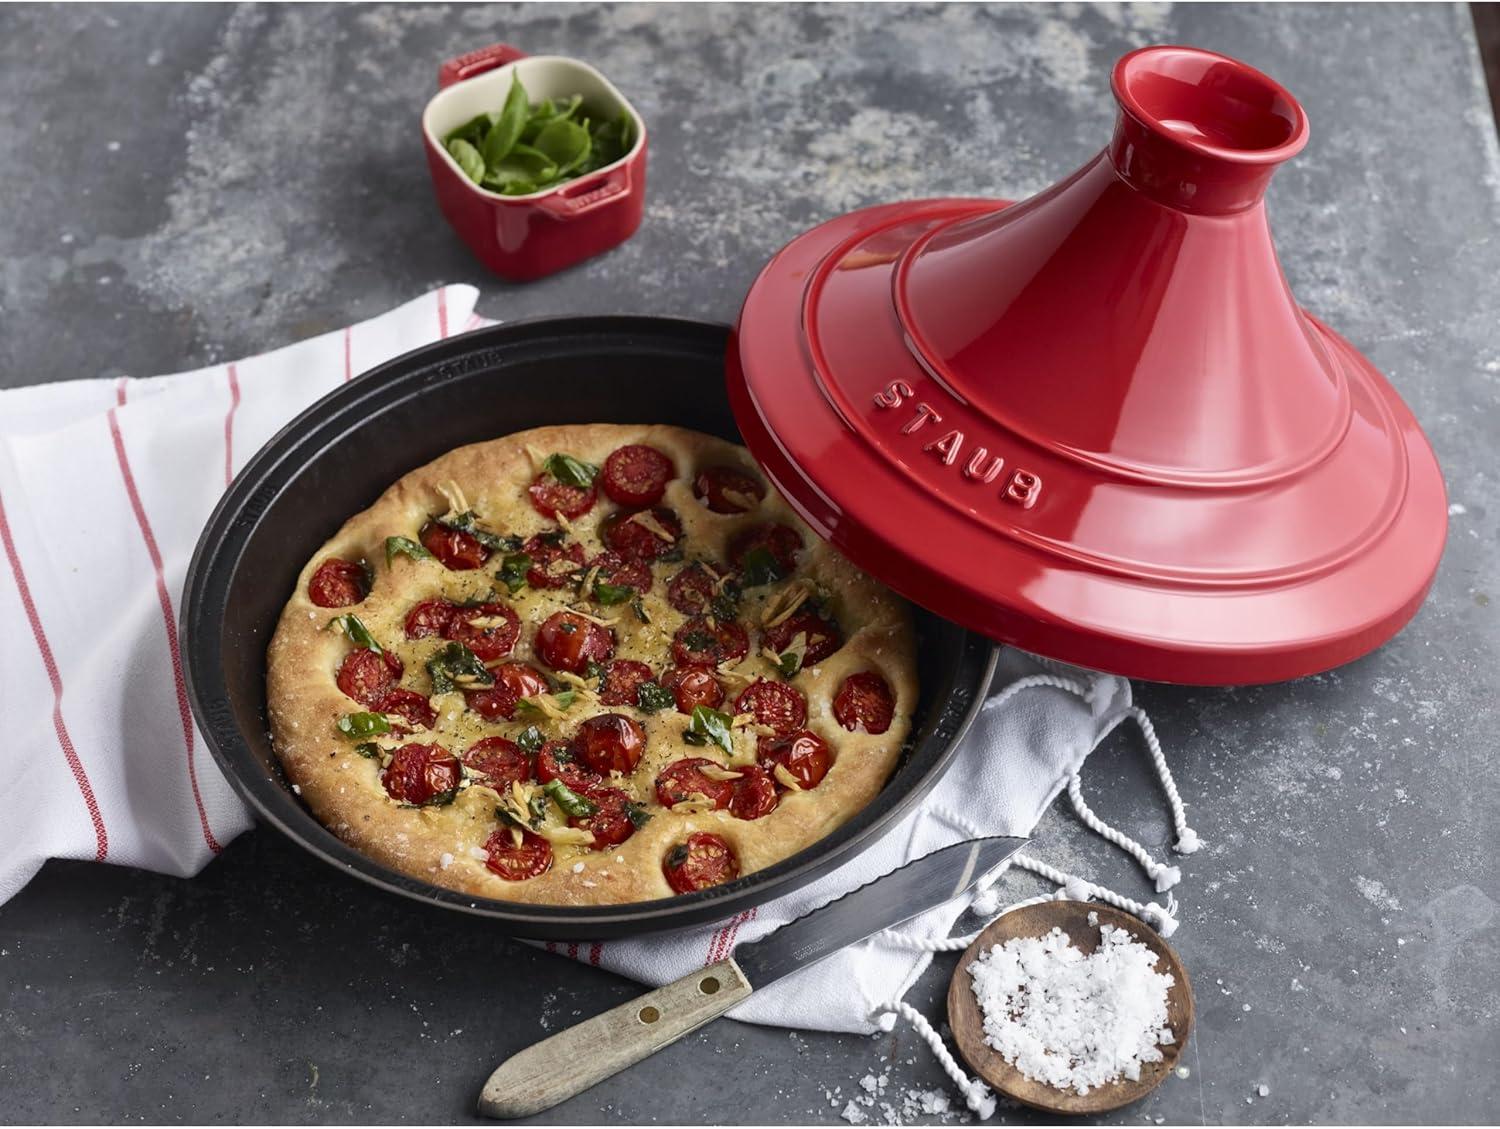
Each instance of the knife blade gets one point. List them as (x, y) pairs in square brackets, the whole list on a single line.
[(566, 1064)]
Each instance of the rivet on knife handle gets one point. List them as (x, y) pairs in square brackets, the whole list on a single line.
[(571, 1061)]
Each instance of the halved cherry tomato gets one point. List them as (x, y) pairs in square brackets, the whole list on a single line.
[(611, 824), (781, 541), (517, 862), (366, 676), (803, 754), (692, 590), (693, 686), (823, 635), (865, 702), (554, 564), (754, 794), (636, 475), (627, 533), (619, 572), (499, 761), (610, 742), (702, 861), (338, 583), (429, 618), (549, 497), (422, 774), (492, 637), (568, 641), (728, 490), (513, 681), (410, 705), (684, 780), (455, 548), (622, 678), (697, 643), (776, 704), (556, 761)]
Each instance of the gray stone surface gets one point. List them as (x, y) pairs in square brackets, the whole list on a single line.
[(185, 184)]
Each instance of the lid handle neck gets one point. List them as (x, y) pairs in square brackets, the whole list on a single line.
[(1201, 132)]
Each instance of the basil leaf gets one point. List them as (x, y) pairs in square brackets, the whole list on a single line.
[(504, 816), (640, 610), (473, 130), (726, 605), (760, 566), (546, 113), (368, 749), (713, 726), (594, 670), (570, 801), (513, 570), (530, 739), (612, 593), (650, 697), (565, 143), (637, 814), (570, 471), (693, 737), (468, 159), (404, 547), (363, 724), (358, 633), (506, 131), (520, 172), (789, 663), (455, 662), (468, 522), (564, 698)]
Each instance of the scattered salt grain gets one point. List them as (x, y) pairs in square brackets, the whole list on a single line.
[(578, 868), (1263, 1090), (478, 854), (853, 1114), (445, 860), (1071, 1021)]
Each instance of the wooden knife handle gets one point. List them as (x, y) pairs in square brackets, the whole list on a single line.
[(571, 1061)]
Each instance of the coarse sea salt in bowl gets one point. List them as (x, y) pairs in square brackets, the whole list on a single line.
[(1071, 1007)]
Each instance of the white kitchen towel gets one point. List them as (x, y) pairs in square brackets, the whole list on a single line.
[(104, 486)]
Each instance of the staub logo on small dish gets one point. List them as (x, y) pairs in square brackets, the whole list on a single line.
[(1022, 487)]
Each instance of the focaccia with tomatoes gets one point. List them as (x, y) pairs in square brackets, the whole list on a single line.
[(587, 664)]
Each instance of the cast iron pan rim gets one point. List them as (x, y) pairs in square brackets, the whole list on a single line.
[(229, 528)]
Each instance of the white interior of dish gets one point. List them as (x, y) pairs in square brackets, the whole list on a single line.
[(544, 76)]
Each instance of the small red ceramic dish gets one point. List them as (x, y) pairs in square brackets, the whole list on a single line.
[(525, 237)]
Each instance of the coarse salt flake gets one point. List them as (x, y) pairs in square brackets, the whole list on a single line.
[(1071, 1021)]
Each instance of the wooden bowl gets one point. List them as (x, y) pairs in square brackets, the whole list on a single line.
[(967, 1021)]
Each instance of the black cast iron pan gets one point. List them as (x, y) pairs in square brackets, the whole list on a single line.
[(338, 456)]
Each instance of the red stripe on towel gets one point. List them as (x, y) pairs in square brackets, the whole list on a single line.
[(70, 754), (348, 354), (442, 311), (234, 403), (169, 620)]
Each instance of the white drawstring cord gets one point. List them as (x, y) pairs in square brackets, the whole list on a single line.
[(1164, 876), (977, 1095)]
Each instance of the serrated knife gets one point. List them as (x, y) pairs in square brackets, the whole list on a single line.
[(571, 1061)]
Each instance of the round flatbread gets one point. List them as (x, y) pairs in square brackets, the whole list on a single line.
[(587, 664)]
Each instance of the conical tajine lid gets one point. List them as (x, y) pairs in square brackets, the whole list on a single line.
[(1096, 424)]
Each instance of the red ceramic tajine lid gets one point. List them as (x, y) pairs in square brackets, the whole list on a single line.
[(1096, 424)]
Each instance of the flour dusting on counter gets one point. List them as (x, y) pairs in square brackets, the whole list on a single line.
[(1071, 1021)]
